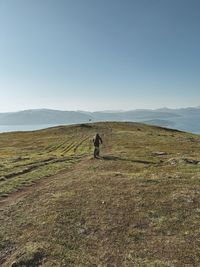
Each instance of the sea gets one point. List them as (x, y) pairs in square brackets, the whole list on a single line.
[(16, 128), (194, 128)]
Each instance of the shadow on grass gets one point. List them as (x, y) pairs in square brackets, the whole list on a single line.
[(115, 158)]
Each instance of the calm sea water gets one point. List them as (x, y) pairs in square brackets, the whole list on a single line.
[(187, 126), (13, 128)]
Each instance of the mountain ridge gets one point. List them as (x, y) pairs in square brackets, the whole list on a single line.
[(185, 119)]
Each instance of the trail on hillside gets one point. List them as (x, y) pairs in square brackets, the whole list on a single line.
[(138, 205), (20, 194), (12, 197)]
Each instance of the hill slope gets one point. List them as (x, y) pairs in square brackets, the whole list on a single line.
[(138, 205)]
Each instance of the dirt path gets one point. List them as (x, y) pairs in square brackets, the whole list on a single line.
[(20, 194), (23, 192), (14, 197)]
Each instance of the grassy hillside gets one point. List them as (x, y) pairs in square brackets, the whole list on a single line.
[(139, 205)]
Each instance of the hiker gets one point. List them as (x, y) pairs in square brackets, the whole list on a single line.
[(97, 141)]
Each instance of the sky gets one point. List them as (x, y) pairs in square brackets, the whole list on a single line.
[(99, 54)]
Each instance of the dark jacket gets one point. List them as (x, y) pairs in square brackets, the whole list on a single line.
[(97, 140)]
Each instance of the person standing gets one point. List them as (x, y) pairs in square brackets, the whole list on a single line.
[(97, 141)]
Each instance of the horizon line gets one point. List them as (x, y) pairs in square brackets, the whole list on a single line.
[(105, 110)]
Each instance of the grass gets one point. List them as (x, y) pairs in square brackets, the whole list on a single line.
[(132, 207), (26, 157)]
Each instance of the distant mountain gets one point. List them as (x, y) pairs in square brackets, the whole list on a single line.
[(135, 115), (162, 123), (185, 119), (42, 116)]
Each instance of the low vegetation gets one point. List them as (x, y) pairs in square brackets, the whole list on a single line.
[(138, 205)]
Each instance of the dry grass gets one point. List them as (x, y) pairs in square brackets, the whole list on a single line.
[(132, 207)]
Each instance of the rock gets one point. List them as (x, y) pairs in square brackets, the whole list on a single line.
[(81, 231), (160, 153), (191, 161), (118, 174), (2, 178), (172, 161)]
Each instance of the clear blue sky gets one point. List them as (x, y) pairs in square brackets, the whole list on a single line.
[(99, 54)]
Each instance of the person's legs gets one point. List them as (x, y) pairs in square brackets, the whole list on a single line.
[(96, 152)]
